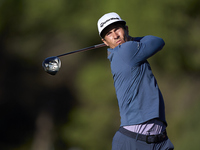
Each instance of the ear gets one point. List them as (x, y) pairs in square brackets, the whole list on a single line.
[(127, 32), (126, 28), (105, 42)]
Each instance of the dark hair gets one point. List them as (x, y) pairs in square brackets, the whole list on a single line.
[(111, 26)]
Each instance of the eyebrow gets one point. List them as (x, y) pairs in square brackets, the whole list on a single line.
[(109, 28)]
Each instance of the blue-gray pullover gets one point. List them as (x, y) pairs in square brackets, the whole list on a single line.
[(138, 94)]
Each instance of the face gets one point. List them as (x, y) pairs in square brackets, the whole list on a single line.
[(115, 35)]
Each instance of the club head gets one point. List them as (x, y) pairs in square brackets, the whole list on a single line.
[(51, 65)]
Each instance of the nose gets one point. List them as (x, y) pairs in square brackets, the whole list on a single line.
[(115, 35)]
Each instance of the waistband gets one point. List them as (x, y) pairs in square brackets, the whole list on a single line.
[(146, 138), (151, 127)]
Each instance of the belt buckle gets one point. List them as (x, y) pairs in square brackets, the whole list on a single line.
[(147, 139), (154, 140)]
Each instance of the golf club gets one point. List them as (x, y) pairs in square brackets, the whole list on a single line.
[(52, 64)]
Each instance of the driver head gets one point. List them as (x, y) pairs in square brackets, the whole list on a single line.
[(51, 65)]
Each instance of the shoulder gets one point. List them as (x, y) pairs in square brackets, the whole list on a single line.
[(128, 44)]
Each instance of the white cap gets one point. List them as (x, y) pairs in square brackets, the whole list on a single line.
[(108, 19)]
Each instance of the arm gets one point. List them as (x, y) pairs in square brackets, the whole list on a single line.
[(140, 49), (149, 45)]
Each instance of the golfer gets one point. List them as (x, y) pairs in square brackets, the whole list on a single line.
[(141, 105)]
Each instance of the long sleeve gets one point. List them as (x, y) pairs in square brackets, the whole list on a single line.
[(139, 51)]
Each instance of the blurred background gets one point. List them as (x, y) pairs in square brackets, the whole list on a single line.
[(77, 109)]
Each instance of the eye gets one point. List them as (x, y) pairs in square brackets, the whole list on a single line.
[(117, 28), (108, 33)]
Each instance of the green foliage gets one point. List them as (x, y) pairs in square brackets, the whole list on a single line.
[(96, 111), (81, 98), (185, 126)]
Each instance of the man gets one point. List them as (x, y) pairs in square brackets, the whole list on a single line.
[(141, 105)]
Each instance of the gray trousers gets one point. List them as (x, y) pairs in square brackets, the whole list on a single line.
[(123, 142)]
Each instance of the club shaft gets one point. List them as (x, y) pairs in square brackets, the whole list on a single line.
[(84, 49)]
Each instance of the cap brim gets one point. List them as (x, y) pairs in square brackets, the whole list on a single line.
[(106, 29)]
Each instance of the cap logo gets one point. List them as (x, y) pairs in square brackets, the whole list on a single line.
[(102, 24)]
